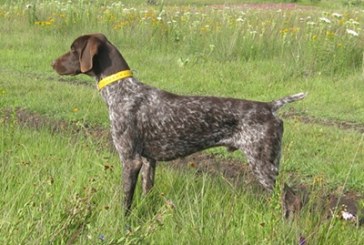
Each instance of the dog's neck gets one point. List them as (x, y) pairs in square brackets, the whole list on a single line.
[(104, 66)]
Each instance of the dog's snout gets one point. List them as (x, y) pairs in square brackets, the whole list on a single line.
[(57, 66)]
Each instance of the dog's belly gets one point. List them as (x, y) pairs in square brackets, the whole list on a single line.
[(169, 149)]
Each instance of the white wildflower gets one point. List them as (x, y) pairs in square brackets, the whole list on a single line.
[(310, 23), (347, 216), (240, 19), (337, 15), (212, 47), (326, 20), (352, 32), (118, 4), (352, 22)]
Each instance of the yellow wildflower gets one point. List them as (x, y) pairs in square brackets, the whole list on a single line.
[(48, 22)]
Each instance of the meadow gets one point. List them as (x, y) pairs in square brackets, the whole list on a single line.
[(60, 181)]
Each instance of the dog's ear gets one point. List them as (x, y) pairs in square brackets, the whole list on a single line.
[(90, 50)]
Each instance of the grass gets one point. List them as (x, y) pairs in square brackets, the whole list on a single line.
[(65, 187), (53, 177), (57, 188)]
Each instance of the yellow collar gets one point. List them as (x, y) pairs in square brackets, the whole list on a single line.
[(113, 78)]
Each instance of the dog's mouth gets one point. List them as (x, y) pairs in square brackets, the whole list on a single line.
[(61, 70)]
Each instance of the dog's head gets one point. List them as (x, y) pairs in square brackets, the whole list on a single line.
[(80, 58)]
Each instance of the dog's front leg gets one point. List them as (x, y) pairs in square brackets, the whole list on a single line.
[(131, 168), (148, 172)]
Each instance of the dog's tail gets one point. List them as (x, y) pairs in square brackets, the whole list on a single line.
[(276, 104)]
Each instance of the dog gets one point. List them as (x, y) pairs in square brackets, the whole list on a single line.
[(149, 124)]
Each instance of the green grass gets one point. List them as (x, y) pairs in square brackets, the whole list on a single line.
[(325, 152), (50, 184), (55, 187)]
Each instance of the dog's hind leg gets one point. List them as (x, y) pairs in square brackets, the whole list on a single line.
[(263, 154)]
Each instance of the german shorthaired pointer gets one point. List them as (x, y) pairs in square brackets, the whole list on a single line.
[(150, 125)]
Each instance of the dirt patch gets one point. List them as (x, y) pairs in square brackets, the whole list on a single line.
[(345, 125), (26, 118), (234, 172), (346, 206)]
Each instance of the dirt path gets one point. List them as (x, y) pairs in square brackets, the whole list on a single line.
[(344, 125)]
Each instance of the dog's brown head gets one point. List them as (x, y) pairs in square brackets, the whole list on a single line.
[(92, 55)]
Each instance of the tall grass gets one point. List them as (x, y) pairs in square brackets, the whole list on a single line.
[(307, 41)]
